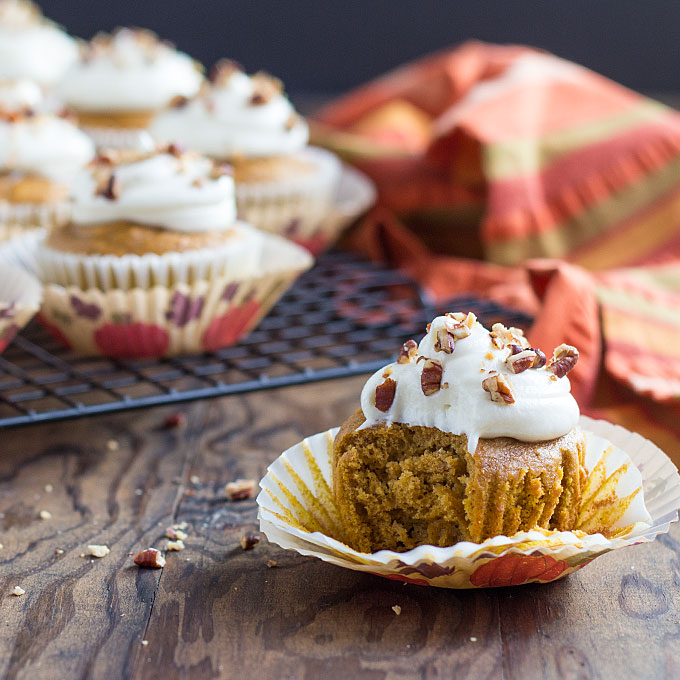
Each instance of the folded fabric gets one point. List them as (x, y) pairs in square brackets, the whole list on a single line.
[(538, 156)]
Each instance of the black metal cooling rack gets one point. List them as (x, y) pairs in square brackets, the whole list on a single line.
[(344, 317)]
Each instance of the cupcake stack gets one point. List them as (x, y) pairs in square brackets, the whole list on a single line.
[(149, 201)]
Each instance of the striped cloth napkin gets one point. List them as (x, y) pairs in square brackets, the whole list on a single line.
[(571, 185)]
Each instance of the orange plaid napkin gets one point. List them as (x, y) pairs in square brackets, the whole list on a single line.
[(545, 159)]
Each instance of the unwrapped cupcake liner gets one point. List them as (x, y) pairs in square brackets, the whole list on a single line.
[(166, 321), (237, 259), (17, 218), (119, 138), (298, 512), (20, 298), (309, 209)]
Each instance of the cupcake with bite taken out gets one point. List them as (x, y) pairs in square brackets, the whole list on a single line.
[(282, 185), (122, 80), (153, 261), (31, 47), (40, 155)]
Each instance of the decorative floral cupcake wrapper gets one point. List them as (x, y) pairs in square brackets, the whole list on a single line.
[(166, 321), (297, 511), (119, 138), (311, 211), (20, 297), (15, 218), (107, 272)]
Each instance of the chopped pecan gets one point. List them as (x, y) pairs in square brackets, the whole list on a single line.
[(520, 361), (150, 558), (384, 394), (175, 534), (175, 150), (499, 388), (563, 360), (240, 490), (468, 320), (178, 102), (249, 541), (408, 352), (110, 189), (223, 70), (444, 341), (502, 336), (265, 88), (431, 377)]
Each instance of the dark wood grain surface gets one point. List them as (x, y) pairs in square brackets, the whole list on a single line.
[(216, 610)]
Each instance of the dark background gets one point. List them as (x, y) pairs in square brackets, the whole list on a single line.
[(329, 46)]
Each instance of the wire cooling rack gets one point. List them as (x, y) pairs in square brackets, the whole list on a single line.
[(344, 317)]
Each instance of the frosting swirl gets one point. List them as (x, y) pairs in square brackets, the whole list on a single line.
[(44, 145), (129, 70), (165, 188), (235, 115), (31, 46), (543, 407)]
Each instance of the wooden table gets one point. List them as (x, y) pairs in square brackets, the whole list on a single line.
[(216, 610)]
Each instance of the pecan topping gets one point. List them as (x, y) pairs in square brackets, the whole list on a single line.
[(431, 377), (519, 361), (408, 352), (240, 490), (444, 342), (502, 336), (175, 150), (468, 320), (499, 388), (563, 360), (265, 88), (223, 70), (175, 534), (384, 395), (178, 102), (150, 558), (249, 541), (110, 189)]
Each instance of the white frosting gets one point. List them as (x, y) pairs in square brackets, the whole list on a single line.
[(44, 145), (543, 409), (32, 47), (129, 71), (16, 95), (164, 190), (222, 122)]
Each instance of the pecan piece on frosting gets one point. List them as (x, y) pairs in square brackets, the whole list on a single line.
[(431, 377), (464, 324), (109, 189), (499, 388), (408, 352), (563, 360), (444, 341), (265, 88), (384, 394), (502, 336)]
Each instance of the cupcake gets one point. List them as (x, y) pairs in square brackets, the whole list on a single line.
[(282, 185), (31, 47), (470, 434), (40, 155), (153, 261), (122, 80)]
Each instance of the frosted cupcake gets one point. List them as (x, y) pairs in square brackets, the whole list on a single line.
[(32, 47), (122, 80), (40, 155), (154, 262), (282, 185)]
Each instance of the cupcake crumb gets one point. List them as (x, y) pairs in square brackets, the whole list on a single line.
[(176, 545), (45, 514), (49, 488), (240, 490), (473, 639), (249, 541), (396, 609), (18, 591), (98, 550), (272, 563), (112, 445)]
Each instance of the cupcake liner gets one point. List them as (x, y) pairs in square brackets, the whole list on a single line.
[(119, 138), (311, 209), (107, 272), (16, 218), (20, 298), (297, 511), (163, 321)]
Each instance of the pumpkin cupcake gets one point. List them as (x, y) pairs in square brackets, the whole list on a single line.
[(40, 155), (470, 434), (122, 80), (153, 261), (31, 47), (282, 185)]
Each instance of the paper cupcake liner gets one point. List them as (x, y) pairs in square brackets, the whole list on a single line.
[(297, 511), (16, 218), (20, 298), (167, 321), (304, 209), (237, 259), (119, 138)]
